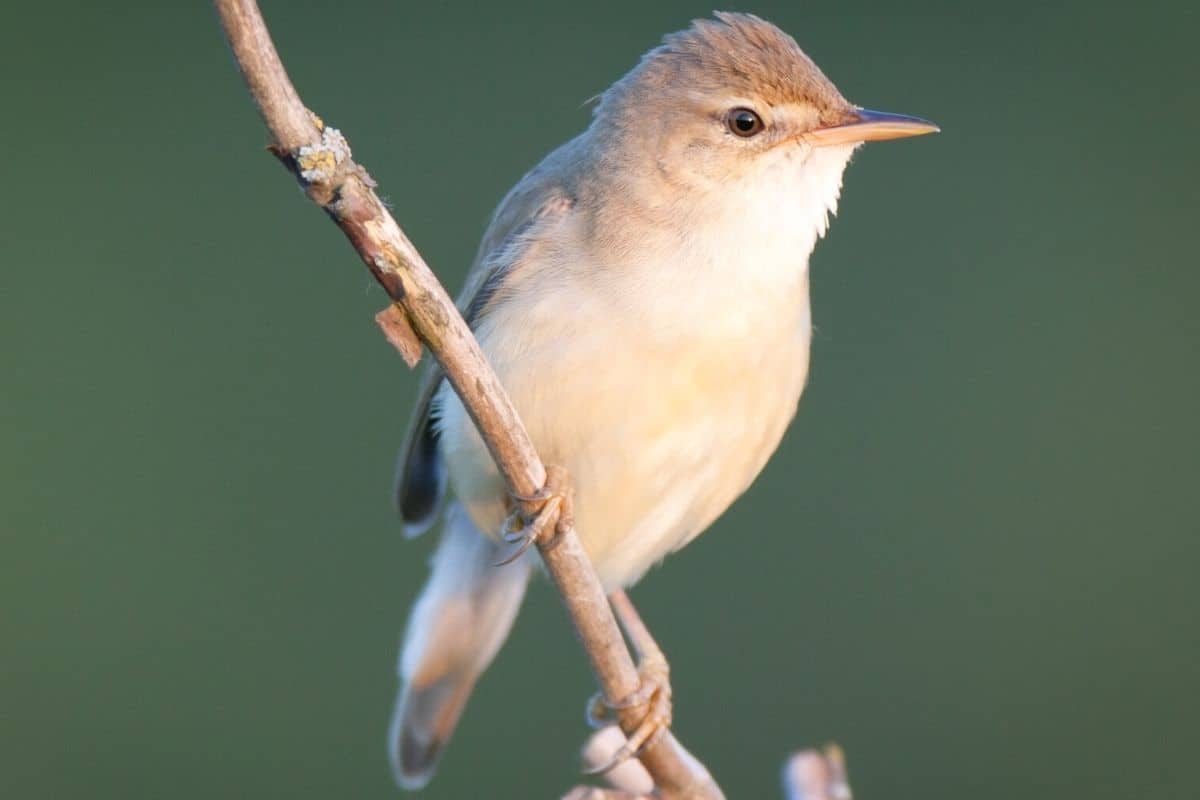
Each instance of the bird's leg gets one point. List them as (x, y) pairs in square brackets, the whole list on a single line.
[(553, 507), (654, 693)]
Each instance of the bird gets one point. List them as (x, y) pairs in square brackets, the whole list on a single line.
[(643, 296)]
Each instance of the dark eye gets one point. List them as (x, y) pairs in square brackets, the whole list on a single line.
[(744, 122)]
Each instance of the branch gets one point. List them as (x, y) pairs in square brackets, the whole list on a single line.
[(809, 775), (319, 157)]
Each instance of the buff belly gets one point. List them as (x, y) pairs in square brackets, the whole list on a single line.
[(660, 432)]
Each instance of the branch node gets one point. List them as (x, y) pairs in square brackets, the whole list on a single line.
[(319, 163)]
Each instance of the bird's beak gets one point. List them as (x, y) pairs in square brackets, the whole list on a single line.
[(864, 125)]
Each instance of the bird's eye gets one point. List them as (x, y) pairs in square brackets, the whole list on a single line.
[(744, 122)]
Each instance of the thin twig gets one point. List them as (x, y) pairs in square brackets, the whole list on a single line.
[(320, 159), (812, 775), (635, 627)]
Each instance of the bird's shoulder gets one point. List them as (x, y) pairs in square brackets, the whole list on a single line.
[(543, 198)]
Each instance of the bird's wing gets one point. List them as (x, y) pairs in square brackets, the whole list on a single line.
[(540, 200)]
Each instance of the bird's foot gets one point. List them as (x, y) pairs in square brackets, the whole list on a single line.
[(654, 695), (553, 502)]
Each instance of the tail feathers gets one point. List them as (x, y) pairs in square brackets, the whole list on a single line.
[(422, 724), (462, 618)]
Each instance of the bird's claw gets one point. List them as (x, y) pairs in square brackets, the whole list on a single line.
[(523, 530), (654, 694)]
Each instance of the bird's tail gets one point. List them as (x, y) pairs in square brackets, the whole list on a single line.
[(459, 622)]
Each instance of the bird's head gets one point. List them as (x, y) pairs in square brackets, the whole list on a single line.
[(732, 107)]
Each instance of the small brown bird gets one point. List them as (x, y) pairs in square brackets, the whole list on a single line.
[(643, 297)]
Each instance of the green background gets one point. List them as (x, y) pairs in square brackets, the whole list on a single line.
[(971, 563)]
